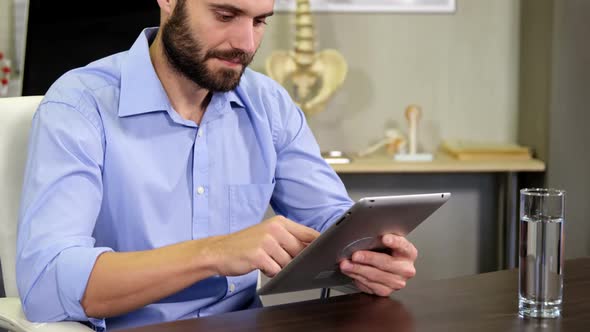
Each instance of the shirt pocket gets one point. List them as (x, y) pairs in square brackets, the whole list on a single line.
[(247, 204)]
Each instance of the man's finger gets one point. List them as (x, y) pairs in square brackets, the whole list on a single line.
[(290, 243), (372, 274), (400, 266), (269, 267), (400, 246), (372, 287), (362, 287), (301, 232), (278, 253), (285, 238)]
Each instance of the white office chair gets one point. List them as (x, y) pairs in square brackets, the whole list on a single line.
[(15, 121)]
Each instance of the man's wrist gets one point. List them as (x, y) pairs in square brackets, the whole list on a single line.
[(206, 256)]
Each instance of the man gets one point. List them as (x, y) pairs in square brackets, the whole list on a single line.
[(149, 172)]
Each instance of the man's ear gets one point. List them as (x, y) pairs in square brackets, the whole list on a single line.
[(166, 6)]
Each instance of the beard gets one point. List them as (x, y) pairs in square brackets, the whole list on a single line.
[(186, 55)]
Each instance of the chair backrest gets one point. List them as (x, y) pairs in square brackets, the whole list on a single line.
[(15, 123)]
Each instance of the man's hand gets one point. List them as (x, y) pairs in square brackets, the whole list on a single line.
[(380, 273), (267, 246)]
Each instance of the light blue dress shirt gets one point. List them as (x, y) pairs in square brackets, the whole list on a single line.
[(112, 167)]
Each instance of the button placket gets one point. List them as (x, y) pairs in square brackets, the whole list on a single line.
[(201, 185)]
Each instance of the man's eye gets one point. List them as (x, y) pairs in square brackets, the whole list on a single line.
[(224, 17), (258, 22)]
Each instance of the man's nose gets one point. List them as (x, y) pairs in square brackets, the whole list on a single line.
[(244, 38)]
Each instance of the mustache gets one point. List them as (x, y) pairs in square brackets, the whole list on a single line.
[(231, 55)]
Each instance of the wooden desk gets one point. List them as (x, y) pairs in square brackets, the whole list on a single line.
[(485, 302), (442, 163)]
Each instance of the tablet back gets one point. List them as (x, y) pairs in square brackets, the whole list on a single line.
[(360, 228)]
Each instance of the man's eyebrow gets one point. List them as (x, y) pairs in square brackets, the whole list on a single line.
[(236, 10), (265, 15)]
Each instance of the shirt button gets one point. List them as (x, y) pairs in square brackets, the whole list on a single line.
[(232, 287), (200, 133), (200, 190)]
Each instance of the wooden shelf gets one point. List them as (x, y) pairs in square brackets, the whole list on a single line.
[(442, 163)]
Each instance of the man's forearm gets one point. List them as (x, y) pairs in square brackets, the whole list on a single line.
[(123, 282)]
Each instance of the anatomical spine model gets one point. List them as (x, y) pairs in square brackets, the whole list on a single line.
[(310, 77)]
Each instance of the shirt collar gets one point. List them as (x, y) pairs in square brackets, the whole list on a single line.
[(225, 98), (141, 90)]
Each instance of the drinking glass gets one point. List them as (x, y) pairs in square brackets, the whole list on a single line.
[(542, 214)]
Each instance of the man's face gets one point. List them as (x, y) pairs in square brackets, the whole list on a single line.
[(211, 42)]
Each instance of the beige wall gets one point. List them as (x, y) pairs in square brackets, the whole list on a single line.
[(462, 69), (6, 29)]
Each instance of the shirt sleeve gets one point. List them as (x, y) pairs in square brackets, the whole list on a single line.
[(307, 189), (61, 199)]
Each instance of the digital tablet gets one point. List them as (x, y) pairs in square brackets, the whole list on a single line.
[(359, 228)]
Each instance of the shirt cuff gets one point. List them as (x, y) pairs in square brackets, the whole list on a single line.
[(73, 270), (239, 283)]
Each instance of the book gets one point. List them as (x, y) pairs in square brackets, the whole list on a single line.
[(473, 150)]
